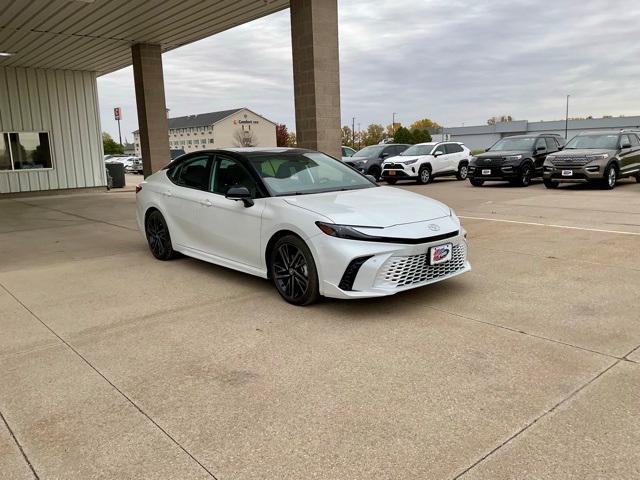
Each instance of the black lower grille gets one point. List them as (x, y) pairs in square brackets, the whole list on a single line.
[(350, 273)]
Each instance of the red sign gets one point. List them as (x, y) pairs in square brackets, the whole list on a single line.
[(117, 112)]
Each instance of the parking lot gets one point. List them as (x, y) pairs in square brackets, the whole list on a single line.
[(117, 365)]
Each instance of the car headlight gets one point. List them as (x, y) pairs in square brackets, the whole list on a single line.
[(409, 162), (342, 231), (600, 156), (512, 158)]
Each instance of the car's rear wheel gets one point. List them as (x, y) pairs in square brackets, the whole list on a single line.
[(551, 183), (158, 236), (293, 271), (424, 175), (476, 182), (463, 171), (610, 177)]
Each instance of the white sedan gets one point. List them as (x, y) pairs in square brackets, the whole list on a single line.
[(311, 224)]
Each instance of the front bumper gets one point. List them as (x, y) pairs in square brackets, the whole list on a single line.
[(494, 172), (574, 174), (398, 171), (389, 268)]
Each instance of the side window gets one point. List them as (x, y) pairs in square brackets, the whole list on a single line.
[(439, 149), (541, 143), (453, 148), (624, 140), (552, 146), (634, 140), (193, 173), (389, 151), (228, 172)]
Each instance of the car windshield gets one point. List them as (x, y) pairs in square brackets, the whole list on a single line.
[(418, 150), (370, 151), (603, 141), (506, 144), (306, 172)]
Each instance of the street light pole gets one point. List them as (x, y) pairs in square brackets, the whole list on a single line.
[(566, 119), (393, 124), (353, 132)]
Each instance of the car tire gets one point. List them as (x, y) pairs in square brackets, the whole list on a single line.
[(375, 172), (158, 236), (551, 183), (463, 171), (610, 177), (293, 271), (476, 182), (638, 178), (424, 175), (391, 181), (526, 173)]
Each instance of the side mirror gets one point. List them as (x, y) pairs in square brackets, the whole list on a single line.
[(371, 178), (626, 145), (241, 194), (438, 152)]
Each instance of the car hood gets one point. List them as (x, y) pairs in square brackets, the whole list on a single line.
[(502, 153), (581, 152), (404, 158), (374, 207)]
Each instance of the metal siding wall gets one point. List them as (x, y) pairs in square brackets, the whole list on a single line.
[(64, 103)]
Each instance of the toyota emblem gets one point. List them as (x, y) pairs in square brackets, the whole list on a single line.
[(433, 227)]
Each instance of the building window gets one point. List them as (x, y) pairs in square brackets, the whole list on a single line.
[(211, 140), (204, 140), (24, 151), (189, 142)]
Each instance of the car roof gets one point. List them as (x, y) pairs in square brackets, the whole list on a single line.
[(600, 132)]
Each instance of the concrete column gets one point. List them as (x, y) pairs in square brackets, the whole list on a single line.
[(152, 108), (316, 74)]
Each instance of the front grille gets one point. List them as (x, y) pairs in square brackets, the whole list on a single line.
[(412, 269), (569, 161), (394, 165), (489, 161)]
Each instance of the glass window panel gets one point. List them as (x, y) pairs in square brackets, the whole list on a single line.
[(5, 154), (30, 150)]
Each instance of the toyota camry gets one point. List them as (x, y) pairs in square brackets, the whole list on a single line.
[(306, 221)]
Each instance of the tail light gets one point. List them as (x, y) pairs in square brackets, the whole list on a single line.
[(138, 188)]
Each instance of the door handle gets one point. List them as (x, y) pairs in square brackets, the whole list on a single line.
[(169, 193), (206, 203)]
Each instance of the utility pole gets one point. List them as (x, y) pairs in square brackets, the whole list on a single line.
[(566, 119), (359, 136), (353, 132), (393, 123)]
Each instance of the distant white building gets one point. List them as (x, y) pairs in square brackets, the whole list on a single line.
[(483, 136), (228, 128)]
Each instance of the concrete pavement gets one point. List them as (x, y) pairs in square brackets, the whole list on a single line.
[(115, 365)]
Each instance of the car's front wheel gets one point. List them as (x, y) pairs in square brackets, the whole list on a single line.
[(610, 177), (158, 236), (424, 175), (526, 172), (293, 271)]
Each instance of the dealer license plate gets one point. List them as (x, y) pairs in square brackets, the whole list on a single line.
[(567, 173), (440, 253), (392, 173), (486, 171)]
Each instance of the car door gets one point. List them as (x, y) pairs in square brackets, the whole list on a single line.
[(627, 154), (455, 154), (634, 163), (184, 201), (232, 230), (539, 153), (552, 147)]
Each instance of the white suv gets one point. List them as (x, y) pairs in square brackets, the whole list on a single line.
[(424, 161)]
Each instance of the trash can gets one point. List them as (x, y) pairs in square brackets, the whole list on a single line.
[(116, 172)]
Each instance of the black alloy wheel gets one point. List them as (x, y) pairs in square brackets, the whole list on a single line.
[(293, 271), (525, 176), (158, 236)]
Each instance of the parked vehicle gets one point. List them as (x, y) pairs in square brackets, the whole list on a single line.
[(347, 152), (131, 164), (516, 159), (308, 222), (425, 161), (369, 159), (595, 157)]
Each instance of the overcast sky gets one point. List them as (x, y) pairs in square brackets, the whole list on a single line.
[(454, 61)]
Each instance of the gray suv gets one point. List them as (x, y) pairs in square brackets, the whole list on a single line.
[(369, 159), (595, 157)]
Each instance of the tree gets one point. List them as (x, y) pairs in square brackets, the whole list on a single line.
[(110, 146), (420, 136), (373, 135), (425, 124), (392, 128), (244, 138), (500, 119), (347, 136), (282, 135), (292, 140), (403, 135)]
